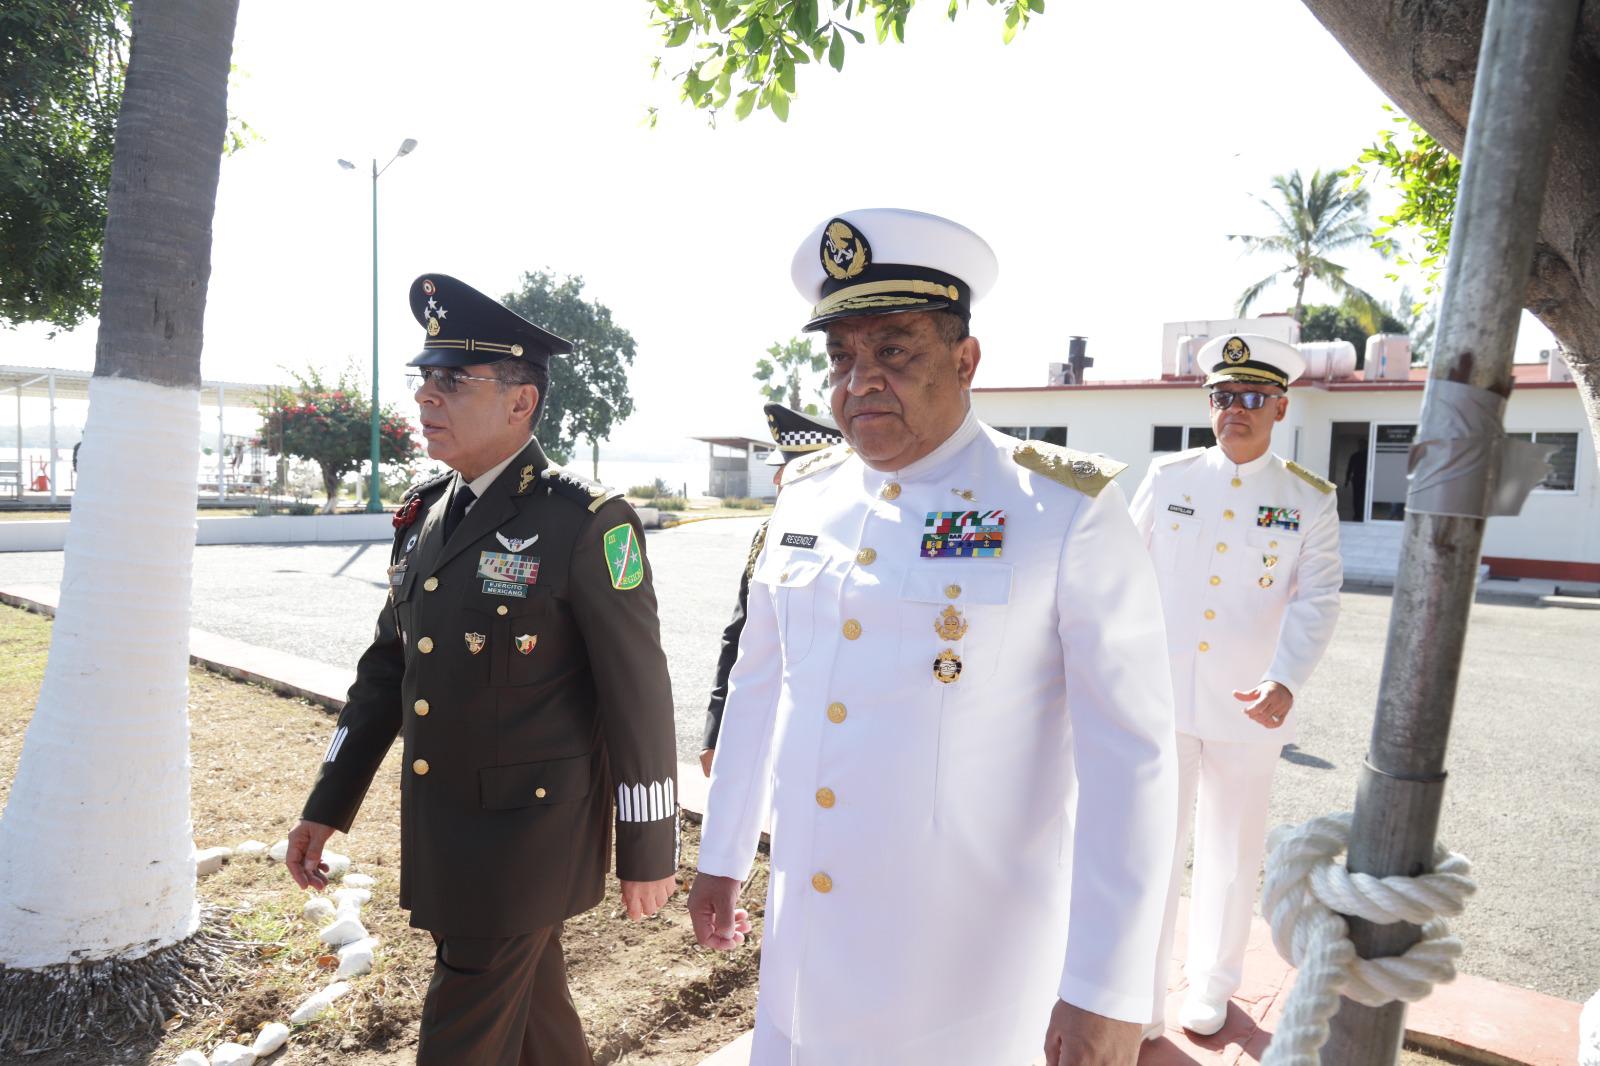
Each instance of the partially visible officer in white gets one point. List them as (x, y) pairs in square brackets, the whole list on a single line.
[(944, 701), (1246, 547)]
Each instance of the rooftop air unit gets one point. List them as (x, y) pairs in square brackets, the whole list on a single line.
[(1388, 357)]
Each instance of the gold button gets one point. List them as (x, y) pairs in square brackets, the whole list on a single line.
[(784, 576), (1210, 614), (420, 767), (890, 490), (825, 797), (430, 584), (1272, 544), (852, 629), (1221, 547), (1174, 527), (822, 882), (421, 707), (502, 609), (1237, 483), (1215, 580), (1204, 646), (425, 645), (952, 591), (866, 556), (538, 793), (836, 713), (1227, 514)]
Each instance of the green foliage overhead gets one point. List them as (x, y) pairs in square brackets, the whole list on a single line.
[(61, 70), (782, 373), (1314, 220), (750, 51), (588, 394), (1352, 321), (331, 425), (1426, 175)]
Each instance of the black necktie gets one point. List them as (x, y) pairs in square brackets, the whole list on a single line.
[(458, 507)]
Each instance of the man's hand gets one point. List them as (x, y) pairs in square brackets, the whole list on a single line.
[(1077, 1037), (1268, 703), (705, 760), (713, 908), (304, 858), (644, 898)]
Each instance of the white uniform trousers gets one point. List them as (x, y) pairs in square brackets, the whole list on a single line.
[(1233, 782)]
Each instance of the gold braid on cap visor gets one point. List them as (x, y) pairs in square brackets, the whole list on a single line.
[(1245, 373), (883, 294)]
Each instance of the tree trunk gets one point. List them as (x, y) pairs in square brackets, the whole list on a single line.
[(96, 855), (1424, 56), (330, 486)]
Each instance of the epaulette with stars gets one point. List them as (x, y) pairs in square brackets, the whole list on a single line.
[(561, 482)]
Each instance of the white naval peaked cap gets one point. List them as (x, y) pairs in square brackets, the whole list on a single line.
[(884, 260), (1250, 357)]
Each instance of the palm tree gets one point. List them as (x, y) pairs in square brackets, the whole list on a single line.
[(99, 927), (1311, 224)]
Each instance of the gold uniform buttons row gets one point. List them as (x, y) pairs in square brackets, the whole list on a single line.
[(1204, 646), (421, 707), (420, 767), (890, 490), (1216, 580), (866, 556), (430, 584), (822, 882), (825, 798), (425, 645), (836, 713), (851, 629)]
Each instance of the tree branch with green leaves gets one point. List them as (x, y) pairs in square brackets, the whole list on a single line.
[(1426, 175), (783, 370), (749, 51)]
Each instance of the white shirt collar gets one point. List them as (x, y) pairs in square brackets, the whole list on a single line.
[(935, 460), (1220, 460), (480, 484)]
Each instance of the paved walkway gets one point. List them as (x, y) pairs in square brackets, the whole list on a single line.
[(1480, 1021)]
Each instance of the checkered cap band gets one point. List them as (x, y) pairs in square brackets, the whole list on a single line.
[(800, 438)]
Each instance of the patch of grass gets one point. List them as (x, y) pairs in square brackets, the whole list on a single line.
[(745, 503)]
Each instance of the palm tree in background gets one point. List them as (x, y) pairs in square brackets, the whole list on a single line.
[(100, 932), (1313, 222)]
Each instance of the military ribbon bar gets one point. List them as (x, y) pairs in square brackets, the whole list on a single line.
[(963, 534)]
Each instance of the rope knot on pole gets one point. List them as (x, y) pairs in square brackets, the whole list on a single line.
[(1307, 894)]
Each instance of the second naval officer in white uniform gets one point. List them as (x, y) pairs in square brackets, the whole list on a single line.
[(1246, 547), (943, 701)]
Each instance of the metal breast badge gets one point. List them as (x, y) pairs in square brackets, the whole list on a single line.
[(947, 667), (475, 642), (950, 625)]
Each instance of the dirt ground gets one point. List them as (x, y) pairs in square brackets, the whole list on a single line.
[(646, 991)]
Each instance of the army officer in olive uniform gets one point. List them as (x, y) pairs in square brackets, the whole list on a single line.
[(519, 659)]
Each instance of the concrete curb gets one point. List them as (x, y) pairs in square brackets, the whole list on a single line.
[(232, 529)]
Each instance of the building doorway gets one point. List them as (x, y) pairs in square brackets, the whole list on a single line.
[(1347, 468)]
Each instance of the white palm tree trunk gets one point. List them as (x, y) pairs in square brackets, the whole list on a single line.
[(96, 856)]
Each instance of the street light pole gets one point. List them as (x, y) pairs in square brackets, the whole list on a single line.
[(374, 486)]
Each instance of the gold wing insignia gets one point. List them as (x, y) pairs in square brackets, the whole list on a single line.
[(1322, 485), (1076, 470)]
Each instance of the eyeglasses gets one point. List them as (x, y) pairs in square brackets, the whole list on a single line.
[(445, 379), (1250, 401)]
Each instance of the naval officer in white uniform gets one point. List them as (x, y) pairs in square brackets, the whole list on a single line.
[(1246, 547), (943, 701)]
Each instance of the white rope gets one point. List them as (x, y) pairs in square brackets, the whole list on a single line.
[(1306, 897)]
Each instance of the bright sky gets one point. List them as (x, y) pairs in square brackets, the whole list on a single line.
[(1104, 154)]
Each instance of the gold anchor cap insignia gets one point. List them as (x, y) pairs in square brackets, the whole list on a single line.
[(475, 642), (950, 626)]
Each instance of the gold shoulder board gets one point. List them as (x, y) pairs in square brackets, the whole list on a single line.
[(1076, 470), (1320, 484), (816, 462), (757, 542)]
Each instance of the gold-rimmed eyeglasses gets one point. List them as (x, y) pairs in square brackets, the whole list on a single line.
[(444, 378)]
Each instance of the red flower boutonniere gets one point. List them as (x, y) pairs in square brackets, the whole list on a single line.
[(407, 513)]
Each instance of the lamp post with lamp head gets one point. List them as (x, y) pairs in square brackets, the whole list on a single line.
[(374, 501)]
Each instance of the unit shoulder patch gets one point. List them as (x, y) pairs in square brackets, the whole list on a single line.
[(591, 494), (1322, 485), (1077, 470), (816, 463)]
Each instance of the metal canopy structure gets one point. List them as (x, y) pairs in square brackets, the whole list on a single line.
[(52, 384)]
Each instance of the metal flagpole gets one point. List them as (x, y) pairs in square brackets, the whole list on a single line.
[(1522, 68)]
